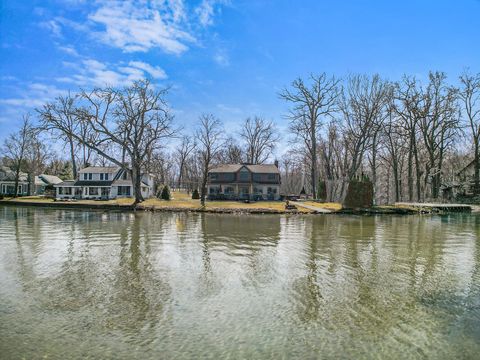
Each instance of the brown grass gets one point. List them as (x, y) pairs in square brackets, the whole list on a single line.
[(329, 206)]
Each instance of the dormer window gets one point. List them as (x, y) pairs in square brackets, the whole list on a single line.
[(90, 176), (106, 177), (101, 176), (124, 176), (244, 174), (85, 176)]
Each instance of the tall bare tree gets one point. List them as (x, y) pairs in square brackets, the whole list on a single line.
[(210, 138), (133, 119), (260, 137), (407, 106), (16, 147), (470, 97), (439, 121), (63, 115), (183, 151), (231, 152), (311, 105)]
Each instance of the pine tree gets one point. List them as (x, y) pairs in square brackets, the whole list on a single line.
[(165, 193), (195, 195)]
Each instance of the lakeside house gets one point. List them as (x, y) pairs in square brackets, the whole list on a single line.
[(244, 182), (41, 183), (7, 182), (102, 182)]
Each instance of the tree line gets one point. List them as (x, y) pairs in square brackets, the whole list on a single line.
[(408, 137)]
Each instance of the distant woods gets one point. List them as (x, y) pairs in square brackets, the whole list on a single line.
[(409, 137)]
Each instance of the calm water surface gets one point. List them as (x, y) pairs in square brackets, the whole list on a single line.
[(77, 284)]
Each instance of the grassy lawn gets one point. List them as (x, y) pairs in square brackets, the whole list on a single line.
[(183, 200), (329, 206)]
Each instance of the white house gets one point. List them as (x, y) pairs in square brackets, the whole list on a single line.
[(97, 182), (7, 182)]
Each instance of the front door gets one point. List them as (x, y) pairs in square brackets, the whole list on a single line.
[(244, 192)]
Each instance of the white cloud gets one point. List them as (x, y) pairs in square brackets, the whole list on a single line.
[(34, 95), (91, 72), (155, 71), (142, 25), (70, 50), (205, 12), (221, 58), (130, 27)]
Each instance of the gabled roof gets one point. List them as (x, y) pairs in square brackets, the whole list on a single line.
[(50, 179), (100, 169), (6, 174), (258, 168)]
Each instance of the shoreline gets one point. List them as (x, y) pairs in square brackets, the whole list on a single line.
[(385, 210)]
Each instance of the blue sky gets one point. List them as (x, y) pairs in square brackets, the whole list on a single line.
[(226, 57)]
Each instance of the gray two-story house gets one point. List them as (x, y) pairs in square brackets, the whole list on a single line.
[(244, 182), (103, 182)]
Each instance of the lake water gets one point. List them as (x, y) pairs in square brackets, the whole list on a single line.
[(88, 284)]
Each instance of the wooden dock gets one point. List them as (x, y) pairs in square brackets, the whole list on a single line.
[(435, 207)]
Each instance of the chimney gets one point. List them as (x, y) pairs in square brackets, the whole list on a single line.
[(276, 163)]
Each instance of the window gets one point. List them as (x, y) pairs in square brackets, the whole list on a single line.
[(19, 189), (228, 177), (123, 190), (258, 190), (93, 191), (229, 190), (271, 176), (124, 176), (85, 176), (213, 176), (106, 177), (257, 177), (90, 176), (101, 176), (244, 175)]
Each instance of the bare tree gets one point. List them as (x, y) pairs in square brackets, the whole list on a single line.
[(310, 106), (63, 116), (209, 135), (439, 121), (407, 106), (470, 97), (133, 119), (183, 151), (260, 137), (231, 152), (363, 107), (16, 147)]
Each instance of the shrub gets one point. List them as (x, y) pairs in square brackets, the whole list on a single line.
[(195, 195), (165, 195), (322, 191), (359, 194)]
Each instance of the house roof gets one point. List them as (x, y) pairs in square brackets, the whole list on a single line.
[(122, 182), (50, 179), (100, 169), (66, 183), (6, 174), (258, 168), (92, 183)]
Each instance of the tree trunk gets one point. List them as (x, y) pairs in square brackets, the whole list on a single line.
[(72, 155), (417, 171), (476, 188), (374, 168), (204, 183), (395, 179), (410, 171), (17, 175), (137, 184)]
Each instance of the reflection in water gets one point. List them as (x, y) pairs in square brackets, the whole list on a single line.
[(77, 284)]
